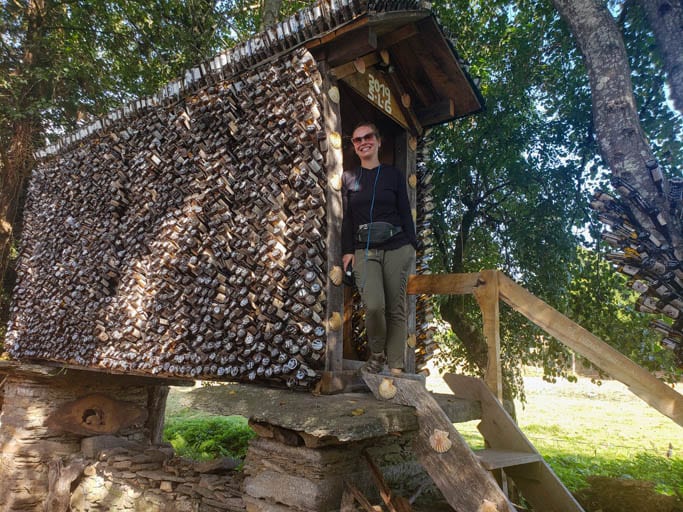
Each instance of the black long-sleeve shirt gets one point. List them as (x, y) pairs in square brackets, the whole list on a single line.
[(391, 205)]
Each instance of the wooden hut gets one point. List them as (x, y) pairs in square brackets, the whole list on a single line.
[(196, 233)]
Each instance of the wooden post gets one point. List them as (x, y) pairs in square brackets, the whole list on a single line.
[(406, 160), (334, 164), (486, 293)]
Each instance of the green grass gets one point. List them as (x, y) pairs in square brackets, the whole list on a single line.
[(202, 437)]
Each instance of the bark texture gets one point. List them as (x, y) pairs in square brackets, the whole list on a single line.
[(665, 18)]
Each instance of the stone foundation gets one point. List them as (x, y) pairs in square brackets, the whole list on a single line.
[(297, 478), (153, 480), (44, 468)]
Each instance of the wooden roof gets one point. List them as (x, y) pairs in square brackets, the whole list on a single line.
[(411, 50)]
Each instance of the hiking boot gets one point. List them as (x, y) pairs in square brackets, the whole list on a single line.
[(375, 363)]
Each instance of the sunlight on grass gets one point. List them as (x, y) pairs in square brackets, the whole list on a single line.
[(205, 437), (584, 429)]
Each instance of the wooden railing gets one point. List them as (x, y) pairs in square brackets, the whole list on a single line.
[(491, 286)]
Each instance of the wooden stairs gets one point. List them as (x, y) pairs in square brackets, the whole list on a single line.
[(465, 477)]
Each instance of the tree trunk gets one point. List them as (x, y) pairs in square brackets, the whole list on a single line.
[(622, 142), (471, 336), (270, 12), (16, 157), (665, 18)]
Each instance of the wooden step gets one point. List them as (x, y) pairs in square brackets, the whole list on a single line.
[(501, 459)]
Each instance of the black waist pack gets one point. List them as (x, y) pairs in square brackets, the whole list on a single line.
[(378, 232)]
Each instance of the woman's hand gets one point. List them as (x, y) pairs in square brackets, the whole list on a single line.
[(347, 259)]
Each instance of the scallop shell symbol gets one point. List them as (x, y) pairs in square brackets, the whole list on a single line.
[(336, 275), (335, 321), (412, 143), (333, 93), (411, 341), (336, 182), (335, 140), (412, 181), (386, 389), (439, 441)]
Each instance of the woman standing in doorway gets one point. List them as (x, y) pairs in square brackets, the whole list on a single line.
[(378, 242)]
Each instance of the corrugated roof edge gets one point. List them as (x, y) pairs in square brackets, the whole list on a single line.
[(285, 36)]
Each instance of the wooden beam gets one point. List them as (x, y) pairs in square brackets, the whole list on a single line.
[(95, 414), (615, 364), (457, 473), (349, 68), (351, 494), (414, 124), (392, 502), (486, 293), (406, 160), (442, 284)]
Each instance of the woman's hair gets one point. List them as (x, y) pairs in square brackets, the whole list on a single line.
[(370, 125)]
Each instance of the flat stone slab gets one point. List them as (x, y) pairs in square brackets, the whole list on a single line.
[(341, 418)]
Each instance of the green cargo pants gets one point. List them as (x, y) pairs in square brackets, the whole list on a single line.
[(381, 276)]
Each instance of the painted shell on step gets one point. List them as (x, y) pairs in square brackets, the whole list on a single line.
[(439, 441), (386, 389)]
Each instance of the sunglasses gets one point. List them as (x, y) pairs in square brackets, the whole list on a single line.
[(363, 138)]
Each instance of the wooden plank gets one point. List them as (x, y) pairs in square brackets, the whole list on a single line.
[(442, 284), (541, 488), (65, 372), (457, 472), (401, 34), (437, 112), (330, 36), (349, 350), (501, 459), (351, 45), (486, 293), (641, 382)]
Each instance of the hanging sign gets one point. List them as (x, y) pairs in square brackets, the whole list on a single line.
[(374, 87)]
